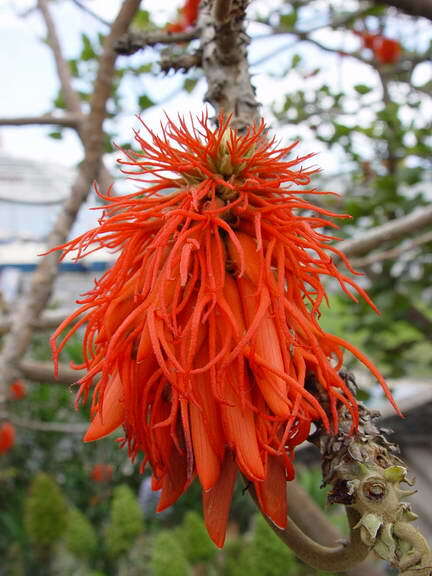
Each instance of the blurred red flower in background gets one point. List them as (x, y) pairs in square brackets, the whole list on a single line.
[(101, 473), (200, 338), (7, 437), (385, 50), (187, 18), (17, 390)]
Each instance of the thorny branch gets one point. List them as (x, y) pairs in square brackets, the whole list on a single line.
[(67, 120), (39, 290), (225, 65), (133, 41)]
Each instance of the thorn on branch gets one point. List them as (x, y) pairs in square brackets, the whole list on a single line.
[(180, 62), (132, 42)]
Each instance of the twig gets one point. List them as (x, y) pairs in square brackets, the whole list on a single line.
[(43, 372), (412, 7), (180, 62), (393, 253), (133, 41), (40, 286), (62, 427), (86, 9), (71, 97), (224, 62), (393, 230), (68, 120), (50, 319)]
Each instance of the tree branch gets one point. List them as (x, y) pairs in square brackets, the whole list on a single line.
[(177, 62), (412, 7), (393, 253), (133, 41), (224, 62), (62, 427), (68, 120), (71, 97), (50, 319), (40, 286), (393, 230), (86, 9), (221, 11), (43, 372)]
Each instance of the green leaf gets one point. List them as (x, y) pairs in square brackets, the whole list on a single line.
[(142, 20), (189, 84), (295, 61), (362, 89), (73, 65), (56, 135), (59, 102), (145, 101), (87, 51), (288, 20)]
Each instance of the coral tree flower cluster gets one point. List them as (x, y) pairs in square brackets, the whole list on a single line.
[(187, 18), (200, 338)]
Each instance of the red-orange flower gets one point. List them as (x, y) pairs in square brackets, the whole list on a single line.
[(7, 437), (199, 339), (101, 473), (385, 50), (187, 18), (17, 390)]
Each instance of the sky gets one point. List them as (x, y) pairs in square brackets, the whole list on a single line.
[(30, 83)]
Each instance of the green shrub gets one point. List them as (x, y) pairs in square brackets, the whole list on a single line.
[(45, 513), (80, 536), (194, 539), (168, 557), (126, 522), (235, 552)]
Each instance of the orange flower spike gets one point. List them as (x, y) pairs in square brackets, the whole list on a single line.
[(7, 437), (199, 337)]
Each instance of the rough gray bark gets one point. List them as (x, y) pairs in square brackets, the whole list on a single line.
[(224, 62)]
